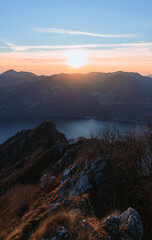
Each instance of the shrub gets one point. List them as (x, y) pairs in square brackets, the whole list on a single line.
[(132, 153)]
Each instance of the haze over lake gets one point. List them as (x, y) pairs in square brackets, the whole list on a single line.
[(71, 127)]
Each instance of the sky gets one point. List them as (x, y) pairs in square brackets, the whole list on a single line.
[(54, 36)]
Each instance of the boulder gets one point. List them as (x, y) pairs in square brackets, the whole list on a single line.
[(132, 224), (54, 207), (65, 161), (64, 187), (112, 224), (46, 180), (127, 226), (69, 172), (99, 180), (82, 184)]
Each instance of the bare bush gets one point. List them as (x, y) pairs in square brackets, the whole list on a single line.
[(132, 153)]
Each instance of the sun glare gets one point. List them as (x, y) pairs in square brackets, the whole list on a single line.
[(76, 58)]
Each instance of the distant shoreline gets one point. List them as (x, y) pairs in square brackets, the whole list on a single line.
[(77, 117)]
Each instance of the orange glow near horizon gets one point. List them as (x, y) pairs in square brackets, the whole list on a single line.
[(75, 61)]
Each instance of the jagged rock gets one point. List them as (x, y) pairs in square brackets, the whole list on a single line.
[(82, 184), (65, 161), (44, 135), (68, 172), (127, 226), (99, 180), (86, 164), (18, 150), (85, 180), (46, 180), (64, 188), (111, 225), (54, 207), (133, 228), (96, 176)]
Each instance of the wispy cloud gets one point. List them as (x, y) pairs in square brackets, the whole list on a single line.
[(107, 57), (73, 32), (78, 46)]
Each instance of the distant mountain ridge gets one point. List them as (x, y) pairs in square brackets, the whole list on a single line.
[(121, 96), (12, 78)]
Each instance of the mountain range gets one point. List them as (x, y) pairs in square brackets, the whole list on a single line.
[(121, 96)]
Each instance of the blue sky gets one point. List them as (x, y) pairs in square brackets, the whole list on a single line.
[(93, 25)]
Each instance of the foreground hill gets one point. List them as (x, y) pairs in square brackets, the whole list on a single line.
[(108, 96), (52, 188)]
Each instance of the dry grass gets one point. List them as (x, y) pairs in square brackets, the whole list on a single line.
[(13, 206), (54, 221), (126, 151), (71, 221)]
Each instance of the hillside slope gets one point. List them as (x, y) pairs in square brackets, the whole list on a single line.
[(51, 188)]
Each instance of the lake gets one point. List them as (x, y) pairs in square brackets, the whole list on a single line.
[(71, 127)]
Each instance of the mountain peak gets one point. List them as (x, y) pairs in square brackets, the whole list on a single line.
[(12, 77), (9, 72), (13, 73)]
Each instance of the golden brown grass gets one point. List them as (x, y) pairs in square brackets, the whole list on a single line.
[(54, 221), (71, 221), (13, 206)]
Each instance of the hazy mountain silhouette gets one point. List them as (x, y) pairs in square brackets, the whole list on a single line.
[(109, 96), (12, 78)]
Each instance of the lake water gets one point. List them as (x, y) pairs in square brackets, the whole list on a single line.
[(71, 127)]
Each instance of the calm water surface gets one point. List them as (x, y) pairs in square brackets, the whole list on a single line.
[(71, 127)]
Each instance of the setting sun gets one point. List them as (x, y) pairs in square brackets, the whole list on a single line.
[(75, 58)]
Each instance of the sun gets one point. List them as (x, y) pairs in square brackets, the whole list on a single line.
[(75, 58)]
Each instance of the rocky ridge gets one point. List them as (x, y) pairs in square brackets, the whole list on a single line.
[(71, 190)]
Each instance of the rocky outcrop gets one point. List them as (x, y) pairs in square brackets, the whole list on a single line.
[(27, 149), (112, 226), (28, 142), (46, 180), (75, 187), (132, 224), (98, 179), (127, 226)]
